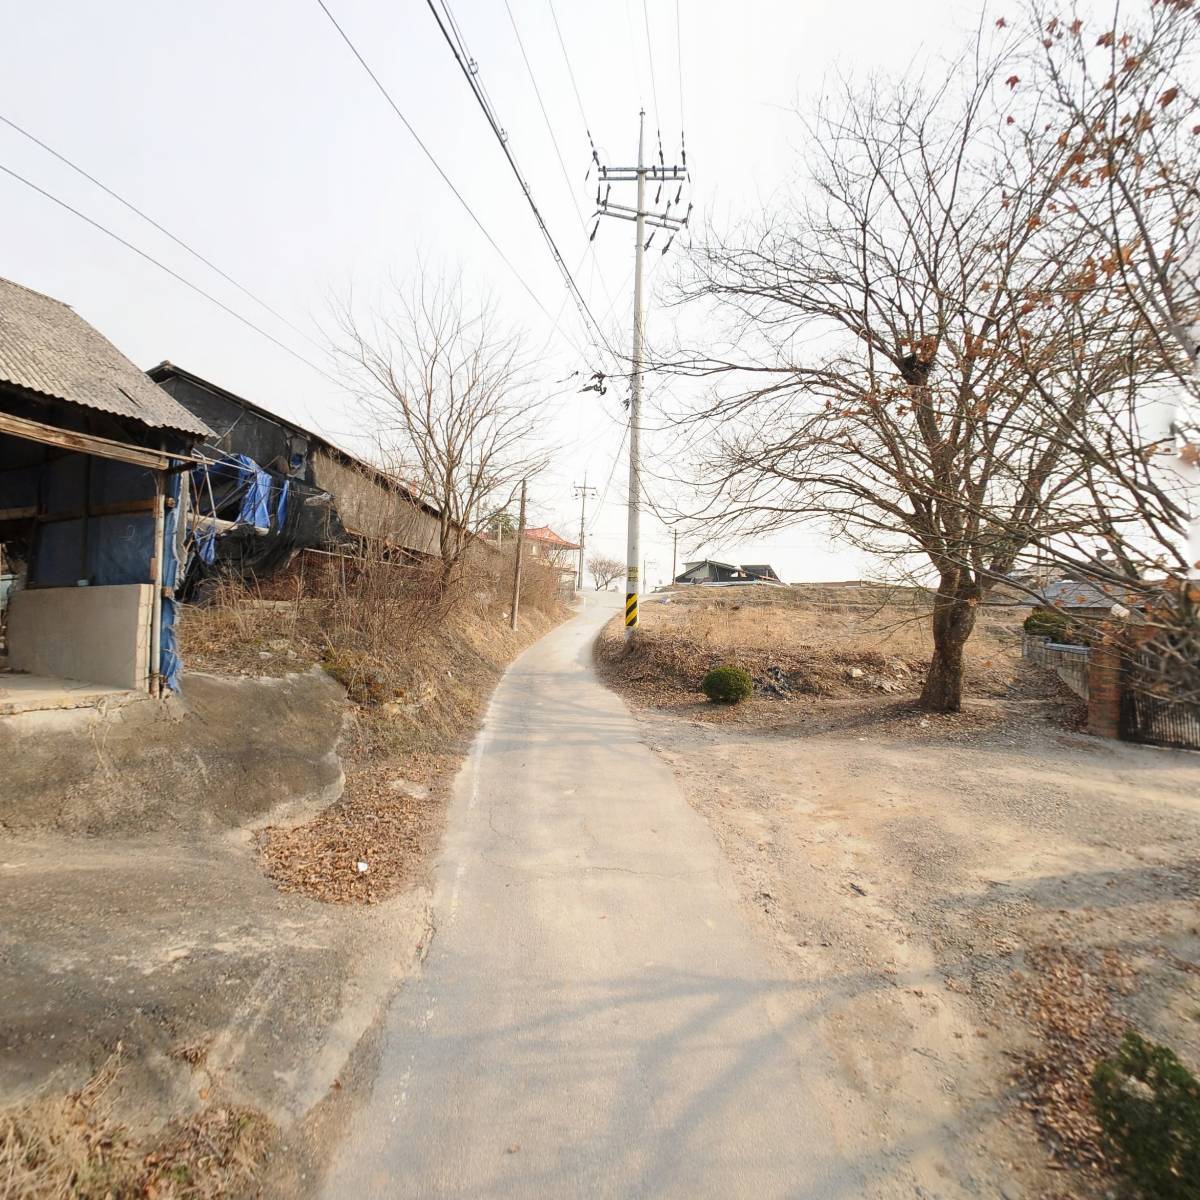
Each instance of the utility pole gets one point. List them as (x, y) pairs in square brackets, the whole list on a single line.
[(516, 596), (583, 493), (663, 176), (674, 554)]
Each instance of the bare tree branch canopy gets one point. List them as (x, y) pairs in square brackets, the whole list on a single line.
[(450, 394), (604, 569), (919, 355)]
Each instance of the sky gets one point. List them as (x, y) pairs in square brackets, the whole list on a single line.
[(250, 132)]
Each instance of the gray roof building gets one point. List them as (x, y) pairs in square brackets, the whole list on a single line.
[(46, 348)]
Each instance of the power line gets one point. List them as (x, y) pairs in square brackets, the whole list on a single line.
[(174, 274), (608, 482), (653, 79), (472, 78), (429, 155), (62, 158), (557, 149), (679, 72), (570, 69)]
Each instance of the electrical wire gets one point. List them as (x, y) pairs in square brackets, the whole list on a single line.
[(173, 273), (537, 91), (62, 158), (429, 155), (653, 79), (608, 482), (679, 72), (472, 78), (570, 69)]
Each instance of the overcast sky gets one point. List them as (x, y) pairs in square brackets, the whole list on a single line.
[(249, 130)]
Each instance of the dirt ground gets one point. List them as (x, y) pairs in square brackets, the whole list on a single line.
[(976, 905), (192, 961)]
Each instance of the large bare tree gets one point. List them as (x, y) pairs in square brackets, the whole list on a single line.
[(450, 392), (897, 364)]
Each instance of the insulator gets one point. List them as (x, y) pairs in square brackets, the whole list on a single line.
[(594, 229), (668, 245), (650, 239), (658, 194), (679, 194)]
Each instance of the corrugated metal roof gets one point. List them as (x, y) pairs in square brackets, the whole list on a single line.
[(46, 347)]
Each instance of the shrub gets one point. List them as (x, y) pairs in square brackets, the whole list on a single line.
[(1048, 622), (727, 685), (1148, 1106)]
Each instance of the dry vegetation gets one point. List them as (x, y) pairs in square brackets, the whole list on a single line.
[(58, 1147), (417, 662), (865, 648), (982, 902)]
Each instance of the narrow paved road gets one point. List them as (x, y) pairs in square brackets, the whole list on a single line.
[(594, 1019)]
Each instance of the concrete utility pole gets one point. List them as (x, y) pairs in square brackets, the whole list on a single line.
[(583, 493), (674, 554), (662, 175), (516, 596)]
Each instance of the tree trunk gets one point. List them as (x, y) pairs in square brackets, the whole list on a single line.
[(954, 611)]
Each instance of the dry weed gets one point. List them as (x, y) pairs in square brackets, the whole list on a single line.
[(70, 1148)]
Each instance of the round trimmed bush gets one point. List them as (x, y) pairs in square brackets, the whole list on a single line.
[(1048, 623), (727, 685)]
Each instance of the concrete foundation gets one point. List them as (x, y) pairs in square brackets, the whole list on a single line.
[(94, 634)]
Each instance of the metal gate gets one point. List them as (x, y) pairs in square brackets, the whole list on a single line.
[(1158, 721)]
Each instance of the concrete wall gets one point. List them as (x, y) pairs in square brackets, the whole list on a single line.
[(94, 634)]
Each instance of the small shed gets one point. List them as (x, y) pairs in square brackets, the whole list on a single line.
[(91, 453)]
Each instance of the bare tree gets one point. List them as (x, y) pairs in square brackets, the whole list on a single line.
[(1118, 93), (450, 393), (922, 350), (604, 569), (875, 363)]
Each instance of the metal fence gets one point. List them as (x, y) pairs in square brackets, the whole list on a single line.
[(1070, 663), (1154, 719)]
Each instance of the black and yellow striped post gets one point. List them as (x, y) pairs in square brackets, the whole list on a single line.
[(631, 616)]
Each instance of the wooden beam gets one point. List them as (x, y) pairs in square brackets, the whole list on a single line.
[(85, 443), (122, 508), (17, 514)]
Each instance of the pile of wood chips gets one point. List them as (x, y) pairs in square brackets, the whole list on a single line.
[(379, 822), (1072, 1001)]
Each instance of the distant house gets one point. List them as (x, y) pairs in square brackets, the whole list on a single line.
[(546, 546), (272, 487), (92, 509), (710, 571), (1087, 599)]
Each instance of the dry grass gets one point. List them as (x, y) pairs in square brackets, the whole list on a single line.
[(417, 661), (60, 1147), (794, 643)]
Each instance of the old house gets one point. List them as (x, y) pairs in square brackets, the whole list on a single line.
[(272, 487), (710, 571), (91, 510), (553, 550)]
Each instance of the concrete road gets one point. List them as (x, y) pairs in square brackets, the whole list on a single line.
[(594, 1018)]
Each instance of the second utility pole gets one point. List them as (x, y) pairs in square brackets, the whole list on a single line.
[(516, 599), (583, 493)]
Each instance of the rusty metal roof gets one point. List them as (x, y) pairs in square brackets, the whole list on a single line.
[(47, 348)]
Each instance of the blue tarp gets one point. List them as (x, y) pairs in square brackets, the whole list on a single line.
[(170, 665)]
